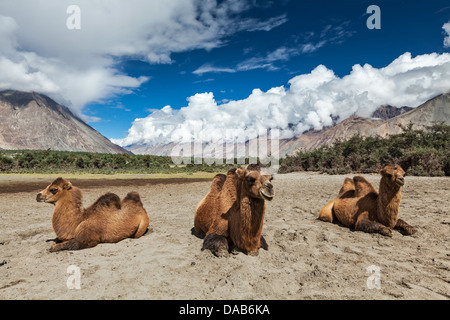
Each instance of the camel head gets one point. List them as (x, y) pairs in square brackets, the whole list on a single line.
[(394, 175), (255, 184), (54, 191)]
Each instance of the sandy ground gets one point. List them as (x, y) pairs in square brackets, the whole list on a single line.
[(307, 258)]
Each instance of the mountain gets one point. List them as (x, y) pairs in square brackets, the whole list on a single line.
[(386, 120), (29, 120), (388, 112), (342, 131), (434, 110)]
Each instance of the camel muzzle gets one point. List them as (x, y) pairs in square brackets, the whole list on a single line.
[(400, 181), (266, 196), (39, 197)]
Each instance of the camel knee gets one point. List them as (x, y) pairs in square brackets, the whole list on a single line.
[(404, 228), (216, 244), (365, 225)]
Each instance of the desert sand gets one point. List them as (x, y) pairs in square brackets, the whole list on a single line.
[(307, 258)]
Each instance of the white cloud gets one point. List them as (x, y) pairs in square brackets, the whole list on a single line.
[(259, 62), (310, 101), (38, 52), (209, 68), (446, 28), (330, 34)]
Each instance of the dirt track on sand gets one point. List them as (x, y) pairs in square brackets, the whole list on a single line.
[(307, 258)]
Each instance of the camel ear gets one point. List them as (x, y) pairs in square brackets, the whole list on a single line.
[(240, 173), (67, 186)]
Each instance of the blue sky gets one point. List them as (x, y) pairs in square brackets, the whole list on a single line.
[(252, 45), (413, 26)]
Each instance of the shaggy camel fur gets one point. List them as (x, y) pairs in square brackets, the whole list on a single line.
[(359, 206), (108, 220), (233, 211)]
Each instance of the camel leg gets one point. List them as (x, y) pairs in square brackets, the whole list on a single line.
[(86, 236), (326, 214), (198, 231), (264, 244), (217, 244), (404, 228), (366, 225), (71, 244)]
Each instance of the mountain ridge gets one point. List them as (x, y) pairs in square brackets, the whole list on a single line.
[(30, 120)]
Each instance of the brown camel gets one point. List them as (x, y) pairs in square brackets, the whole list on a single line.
[(359, 206), (233, 211), (108, 220)]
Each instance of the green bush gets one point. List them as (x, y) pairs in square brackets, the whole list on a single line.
[(420, 152), (47, 161)]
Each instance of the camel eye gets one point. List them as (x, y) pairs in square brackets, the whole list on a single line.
[(251, 180), (53, 191)]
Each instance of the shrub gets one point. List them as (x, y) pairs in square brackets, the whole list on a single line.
[(420, 152)]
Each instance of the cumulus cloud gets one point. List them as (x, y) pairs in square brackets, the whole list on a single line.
[(446, 28), (311, 100), (38, 52)]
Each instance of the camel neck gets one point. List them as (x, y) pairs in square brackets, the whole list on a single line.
[(388, 203), (252, 214), (247, 222), (68, 214), (72, 202)]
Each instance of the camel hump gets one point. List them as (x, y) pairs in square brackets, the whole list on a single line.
[(362, 186), (253, 167), (220, 178), (108, 200), (218, 182), (348, 185), (134, 197)]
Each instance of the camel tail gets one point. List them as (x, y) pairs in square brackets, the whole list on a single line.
[(134, 197), (326, 214)]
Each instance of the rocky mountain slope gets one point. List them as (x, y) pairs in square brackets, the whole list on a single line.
[(30, 120)]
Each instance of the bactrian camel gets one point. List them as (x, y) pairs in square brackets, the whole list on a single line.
[(232, 213), (360, 207), (108, 220)]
